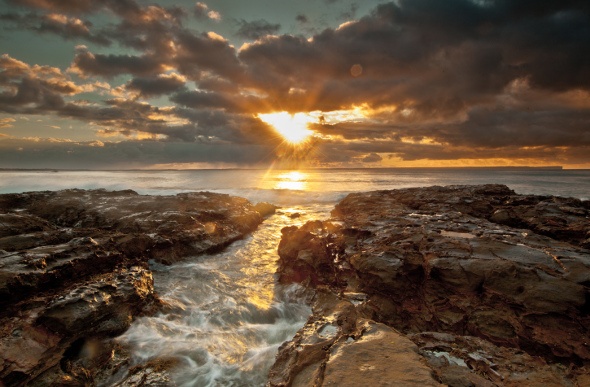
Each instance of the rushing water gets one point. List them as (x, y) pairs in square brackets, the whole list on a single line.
[(228, 314)]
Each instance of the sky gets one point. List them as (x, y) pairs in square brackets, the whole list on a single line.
[(121, 84)]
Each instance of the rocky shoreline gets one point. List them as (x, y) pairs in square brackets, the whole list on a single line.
[(458, 286), (74, 272)]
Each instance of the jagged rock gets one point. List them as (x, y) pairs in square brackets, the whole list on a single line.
[(51, 329), (74, 271), (465, 260)]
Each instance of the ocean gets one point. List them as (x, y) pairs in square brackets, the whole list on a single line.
[(229, 314), (299, 187)]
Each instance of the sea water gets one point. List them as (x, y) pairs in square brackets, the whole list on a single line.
[(300, 187), (227, 315)]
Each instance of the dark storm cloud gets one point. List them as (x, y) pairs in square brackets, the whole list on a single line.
[(216, 100), (97, 154), (498, 127), (219, 85), (438, 79), (161, 84), (69, 28), (206, 52), (227, 127), (445, 69), (122, 8), (430, 52), (86, 63), (256, 29), (34, 89), (81, 6), (354, 152), (372, 158)]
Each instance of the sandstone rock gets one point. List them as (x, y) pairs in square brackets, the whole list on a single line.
[(465, 260), (339, 347)]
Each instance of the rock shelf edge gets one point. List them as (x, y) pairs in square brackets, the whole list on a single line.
[(74, 273), (457, 286)]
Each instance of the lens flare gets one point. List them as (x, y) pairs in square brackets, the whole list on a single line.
[(292, 127)]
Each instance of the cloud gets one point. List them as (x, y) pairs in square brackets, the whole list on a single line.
[(87, 64), (200, 53), (372, 158), (30, 89), (31, 153), (437, 54), (69, 28), (440, 80), (256, 29), (82, 6), (159, 85), (6, 122), (218, 100), (441, 71), (129, 10), (202, 11), (301, 18)]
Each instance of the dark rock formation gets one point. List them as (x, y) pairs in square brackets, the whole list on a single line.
[(73, 270), (493, 288)]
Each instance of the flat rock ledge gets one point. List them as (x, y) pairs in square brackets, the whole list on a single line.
[(74, 271), (457, 286)]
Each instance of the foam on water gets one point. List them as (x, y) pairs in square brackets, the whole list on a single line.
[(229, 316)]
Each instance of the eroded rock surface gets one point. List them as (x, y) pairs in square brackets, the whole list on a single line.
[(492, 287), (74, 271)]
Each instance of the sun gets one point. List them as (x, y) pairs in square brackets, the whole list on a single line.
[(292, 127)]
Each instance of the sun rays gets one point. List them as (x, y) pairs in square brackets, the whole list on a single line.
[(292, 127)]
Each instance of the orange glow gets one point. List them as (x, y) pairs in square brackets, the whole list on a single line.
[(293, 180), (292, 127)]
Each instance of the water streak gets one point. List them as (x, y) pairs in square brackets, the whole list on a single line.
[(229, 314)]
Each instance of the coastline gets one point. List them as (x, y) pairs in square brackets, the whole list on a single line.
[(457, 285), (74, 271), (366, 269)]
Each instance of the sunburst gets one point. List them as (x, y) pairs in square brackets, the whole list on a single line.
[(292, 127)]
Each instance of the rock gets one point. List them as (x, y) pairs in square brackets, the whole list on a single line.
[(50, 329), (469, 261), (74, 271), (379, 357), (265, 209), (339, 347)]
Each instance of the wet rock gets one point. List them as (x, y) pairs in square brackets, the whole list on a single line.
[(470, 261), (265, 209), (50, 329), (339, 346), (74, 272)]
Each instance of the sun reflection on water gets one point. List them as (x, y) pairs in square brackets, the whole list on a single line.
[(293, 180), (228, 314)]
